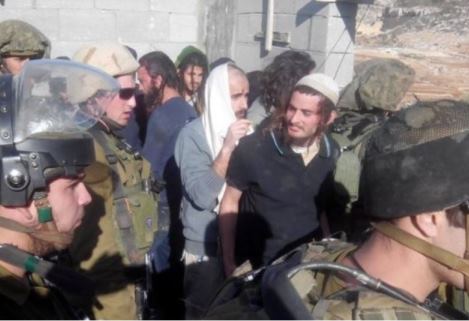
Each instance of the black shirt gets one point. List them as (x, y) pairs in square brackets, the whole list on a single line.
[(279, 206)]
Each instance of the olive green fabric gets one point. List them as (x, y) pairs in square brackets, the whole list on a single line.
[(324, 295), (376, 90), (98, 247), (20, 39), (379, 83), (23, 299), (330, 298)]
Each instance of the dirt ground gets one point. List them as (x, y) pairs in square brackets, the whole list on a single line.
[(428, 40)]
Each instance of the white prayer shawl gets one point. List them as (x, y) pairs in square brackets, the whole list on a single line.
[(218, 114)]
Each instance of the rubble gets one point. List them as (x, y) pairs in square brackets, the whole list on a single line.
[(430, 36)]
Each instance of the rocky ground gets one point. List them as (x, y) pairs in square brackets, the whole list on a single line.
[(432, 36)]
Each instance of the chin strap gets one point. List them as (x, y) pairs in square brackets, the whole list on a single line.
[(444, 257), (47, 236), (61, 276), (44, 212)]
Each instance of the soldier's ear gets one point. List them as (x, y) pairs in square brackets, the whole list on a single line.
[(427, 224)]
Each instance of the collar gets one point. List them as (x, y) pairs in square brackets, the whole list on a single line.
[(325, 146), (13, 288)]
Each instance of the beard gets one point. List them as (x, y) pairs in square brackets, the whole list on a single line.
[(153, 98), (241, 114)]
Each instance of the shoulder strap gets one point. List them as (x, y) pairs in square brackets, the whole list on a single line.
[(122, 212)]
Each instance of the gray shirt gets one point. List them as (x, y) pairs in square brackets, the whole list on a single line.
[(201, 186)]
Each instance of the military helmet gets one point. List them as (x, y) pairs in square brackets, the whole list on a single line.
[(44, 113), (20, 39), (112, 58), (379, 83), (415, 162)]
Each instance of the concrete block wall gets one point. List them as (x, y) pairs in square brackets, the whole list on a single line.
[(220, 27), (324, 29), (146, 25)]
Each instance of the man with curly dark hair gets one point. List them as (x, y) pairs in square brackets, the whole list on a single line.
[(277, 177), (277, 82)]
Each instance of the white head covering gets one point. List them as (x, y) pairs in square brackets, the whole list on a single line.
[(218, 114), (323, 83)]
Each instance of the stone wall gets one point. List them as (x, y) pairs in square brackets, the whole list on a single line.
[(145, 25), (324, 29), (233, 28)]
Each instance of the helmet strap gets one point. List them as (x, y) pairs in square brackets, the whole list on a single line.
[(44, 211), (442, 256)]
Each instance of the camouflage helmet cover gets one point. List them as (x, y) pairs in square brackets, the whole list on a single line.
[(20, 39), (378, 83), (416, 162)]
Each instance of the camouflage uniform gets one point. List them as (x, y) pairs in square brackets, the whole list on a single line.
[(323, 295), (20, 39), (375, 92), (31, 300), (118, 228)]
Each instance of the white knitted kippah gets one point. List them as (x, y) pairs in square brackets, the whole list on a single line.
[(323, 84)]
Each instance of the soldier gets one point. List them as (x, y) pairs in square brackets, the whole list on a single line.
[(20, 42), (42, 195), (416, 189), (121, 229), (374, 94)]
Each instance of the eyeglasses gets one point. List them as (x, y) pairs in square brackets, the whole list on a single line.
[(127, 93)]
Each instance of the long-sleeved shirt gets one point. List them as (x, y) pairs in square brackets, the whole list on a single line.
[(201, 186)]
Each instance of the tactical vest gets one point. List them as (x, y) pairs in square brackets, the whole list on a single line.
[(134, 202), (351, 131), (319, 294)]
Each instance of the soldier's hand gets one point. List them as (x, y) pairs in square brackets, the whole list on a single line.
[(236, 130)]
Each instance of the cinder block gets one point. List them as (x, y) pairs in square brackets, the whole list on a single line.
[(340, 35), (183, 28), (13, 4), (123, 5), (318, 34), (65, 48), (340, 67), (342, 9), (175, 6), (141, 47), (299, 33), (152, 27), (172, 49), (320, 60), (251, 6), (248, 26), (247, 56), (87, 25), (64, 4), (304, 8)]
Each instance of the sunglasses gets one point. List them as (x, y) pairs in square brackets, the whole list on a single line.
[(127, 93)]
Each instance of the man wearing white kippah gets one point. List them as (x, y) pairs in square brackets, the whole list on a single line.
[(278, 179)]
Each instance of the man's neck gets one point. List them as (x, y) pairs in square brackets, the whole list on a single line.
[(169, 93), (395, 265)]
